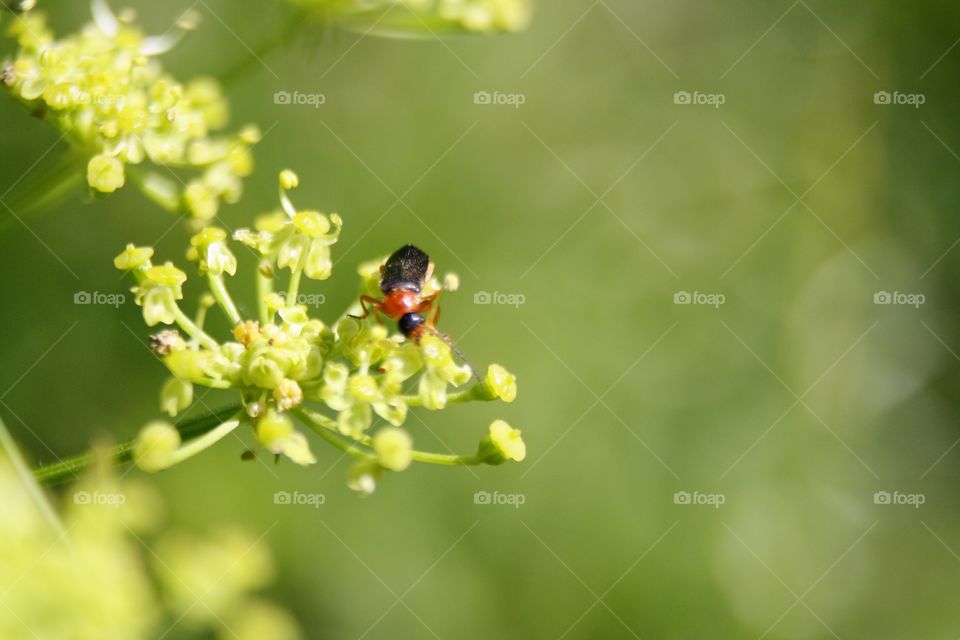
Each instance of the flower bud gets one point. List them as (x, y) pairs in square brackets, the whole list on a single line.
[(287, 394), (311, 223), (501, 444), (272, 429), (155, 446), (105, 173), (500, 383), (246, 332), (288, 179), (394, 448), (263, 371), (276, 433), (133, 258), (166, 275), (175, 396), (363, 387), (212, 252), (363, 477), (159, 306)]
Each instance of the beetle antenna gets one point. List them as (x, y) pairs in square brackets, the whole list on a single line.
[(456, 350)]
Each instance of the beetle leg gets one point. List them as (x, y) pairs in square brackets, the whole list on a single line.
[(374, 308), (430, 303)]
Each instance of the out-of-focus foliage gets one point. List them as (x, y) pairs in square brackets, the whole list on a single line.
[(92, 580), (423, 18)]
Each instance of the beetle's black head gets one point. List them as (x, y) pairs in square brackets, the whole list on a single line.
[(410, 322), (405, 269)]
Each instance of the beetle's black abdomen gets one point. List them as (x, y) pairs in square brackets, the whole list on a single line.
[(405, 269), (410, 322)]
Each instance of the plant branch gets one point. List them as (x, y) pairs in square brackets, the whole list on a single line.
[(327, 428), (64, 470)]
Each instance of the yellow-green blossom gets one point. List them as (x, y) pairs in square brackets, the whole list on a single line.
[(156, 445), (394, 448), (175, 396), (501, 383), (105, 90), (441, 371), (289, 367), (502, 443), (276, 433)]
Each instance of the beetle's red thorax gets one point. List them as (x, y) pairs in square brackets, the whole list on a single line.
[(400, 302)]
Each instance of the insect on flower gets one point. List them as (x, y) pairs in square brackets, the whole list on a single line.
[(402, 278)]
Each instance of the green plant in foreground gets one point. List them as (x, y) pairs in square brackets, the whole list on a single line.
[(288, 367), (107, 571), (104, 90)]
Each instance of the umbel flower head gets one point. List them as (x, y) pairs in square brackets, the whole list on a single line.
[(352, 382), (424, 18), (105, 91)]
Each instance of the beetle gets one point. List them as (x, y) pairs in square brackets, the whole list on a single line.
[(402, 278)]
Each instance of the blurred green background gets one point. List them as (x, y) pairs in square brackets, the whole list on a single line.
[(599, 200)]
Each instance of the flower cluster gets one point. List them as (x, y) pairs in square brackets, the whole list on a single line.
[(340, 380), (104, 90), (90, 580), (425, 17)]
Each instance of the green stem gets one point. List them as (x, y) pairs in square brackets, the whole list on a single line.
[(476, 392), (294, 289), (326, 428), (264, 288), (69, 468), (194, 331), (29, 482), (206, 440), (219, 289)]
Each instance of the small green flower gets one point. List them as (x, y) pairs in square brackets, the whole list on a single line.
[(133, 258), (156, 445), (105, 173), (363, 477), (176, 396), (394, 448), (501, 383), (276, 433), (208, 247), (502, 443), (441, 371), (104, 89)]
